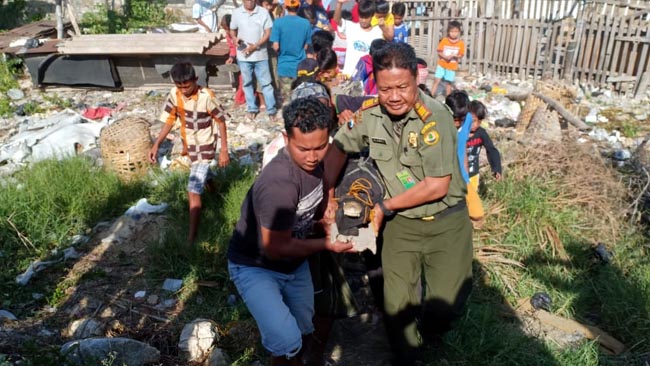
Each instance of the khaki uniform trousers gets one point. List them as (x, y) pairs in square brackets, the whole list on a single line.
[(439, 253)]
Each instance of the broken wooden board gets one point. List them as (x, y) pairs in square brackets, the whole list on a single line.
[(609, 344)]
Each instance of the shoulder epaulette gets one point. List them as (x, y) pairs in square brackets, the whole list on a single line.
[(422, 111), (367, 104)]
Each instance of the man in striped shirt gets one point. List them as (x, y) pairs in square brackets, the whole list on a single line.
[(198, 115)]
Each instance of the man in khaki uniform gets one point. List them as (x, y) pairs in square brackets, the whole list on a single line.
[(426, 230)]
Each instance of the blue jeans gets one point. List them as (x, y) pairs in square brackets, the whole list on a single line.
[(263, 76), (282, 304)]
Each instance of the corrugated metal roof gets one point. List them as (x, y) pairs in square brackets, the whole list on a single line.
[(40, 29)]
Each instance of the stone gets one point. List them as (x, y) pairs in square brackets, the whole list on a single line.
[(218, 358), (505, 122), (152, 299), (124, 350), (172, 284), (197, 339), (70, 253), (232, 300), (4, 314), (166, 304), (79, 240), (85, 328), (140, 295), (544, 127), (621, 154), (15, 94)]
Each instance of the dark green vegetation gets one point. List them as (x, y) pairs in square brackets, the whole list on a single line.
[(552, 207), (132, 17)]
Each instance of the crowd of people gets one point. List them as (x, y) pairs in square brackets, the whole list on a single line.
[(425, 153)]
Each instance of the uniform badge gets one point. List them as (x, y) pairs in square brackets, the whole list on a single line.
[(378, 140), (427, 127), (413, 140), (431, 137)]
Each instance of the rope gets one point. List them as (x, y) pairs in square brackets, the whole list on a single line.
[(361, 185)]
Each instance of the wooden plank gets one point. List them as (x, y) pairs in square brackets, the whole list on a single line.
[(498, 46), (509, 47), (480, 47), (589, 52), (518, 51), (133, 49), (584, 50), (635, 49), (526, 48), (616, 54), (607, 35), (534, 38), (643, 60), (598, 49), (609, 51), (490, 38)]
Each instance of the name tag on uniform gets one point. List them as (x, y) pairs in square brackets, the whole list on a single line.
[(406, 178), (378, 140)]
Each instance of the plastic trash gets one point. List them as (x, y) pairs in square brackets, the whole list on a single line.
[(143, 207), (541, 300)]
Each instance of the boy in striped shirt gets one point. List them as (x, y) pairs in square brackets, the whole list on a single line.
[(195, 111)]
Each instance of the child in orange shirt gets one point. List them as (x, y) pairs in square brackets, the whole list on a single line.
[(450, 50)]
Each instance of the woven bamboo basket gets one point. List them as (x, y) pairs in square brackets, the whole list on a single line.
[(125, 147)]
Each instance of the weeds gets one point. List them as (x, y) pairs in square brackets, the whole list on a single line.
[(50, 202), (135, 15), (546, 215)]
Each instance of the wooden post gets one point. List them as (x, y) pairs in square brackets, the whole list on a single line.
[(59, 19)]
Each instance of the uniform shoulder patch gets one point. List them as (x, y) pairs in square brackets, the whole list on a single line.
[(422, 111), (370, 103)]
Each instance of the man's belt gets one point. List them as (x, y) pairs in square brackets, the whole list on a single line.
[(448, 211)]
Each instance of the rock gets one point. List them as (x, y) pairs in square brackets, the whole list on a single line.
[(197, 338), (218, 358), (15, 94), (246, 160), (152, 299), (125, 352), (139, 296), (166, 304), (4, 314), (544, 127), (601, 253), (641, 116), (505, 123), (621, 154), (172, 284), (85, 328), (541, 300), (80, 240), (232, 300), (70, 253)]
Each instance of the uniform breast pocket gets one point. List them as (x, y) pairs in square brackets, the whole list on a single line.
[(414, 163), (381, 153)]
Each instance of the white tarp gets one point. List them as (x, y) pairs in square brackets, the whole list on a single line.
[(58, 136)]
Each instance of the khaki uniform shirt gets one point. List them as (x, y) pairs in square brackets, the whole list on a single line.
[(426, 147)]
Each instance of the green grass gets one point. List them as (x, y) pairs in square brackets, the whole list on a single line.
[(54, 200), (49, 203), (614, 297)]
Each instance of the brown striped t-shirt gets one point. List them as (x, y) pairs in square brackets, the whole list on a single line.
[(196, 117)]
